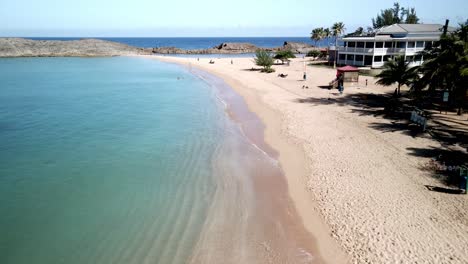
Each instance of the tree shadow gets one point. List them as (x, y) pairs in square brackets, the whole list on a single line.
[(444, 163), (444, 190), (394, 114), (398, 126), (397, 110), (252, 69)]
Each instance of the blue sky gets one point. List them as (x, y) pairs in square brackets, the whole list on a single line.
[(156, 18)]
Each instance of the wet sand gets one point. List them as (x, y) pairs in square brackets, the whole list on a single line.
[(252, 218)]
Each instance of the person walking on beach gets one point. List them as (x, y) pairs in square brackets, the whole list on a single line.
[(232, 62), (340, 87), (340, 83)]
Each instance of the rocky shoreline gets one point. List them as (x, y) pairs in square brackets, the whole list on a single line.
[(236, 48), (20, 47)]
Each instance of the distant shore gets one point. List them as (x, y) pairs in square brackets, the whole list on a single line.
[(21, 47), (355, 187)]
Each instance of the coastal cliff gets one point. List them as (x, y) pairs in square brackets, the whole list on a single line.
[(20, 47)]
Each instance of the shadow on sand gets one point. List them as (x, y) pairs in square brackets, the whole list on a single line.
[(395, 114), (444, 190)]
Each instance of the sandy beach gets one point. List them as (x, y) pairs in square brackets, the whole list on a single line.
[(357, 184)]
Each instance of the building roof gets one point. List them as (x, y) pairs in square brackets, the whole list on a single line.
[(347, 69), (412, 28)]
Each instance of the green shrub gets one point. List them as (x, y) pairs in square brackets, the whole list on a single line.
[(314, 53), (264, 59), (283, 55)]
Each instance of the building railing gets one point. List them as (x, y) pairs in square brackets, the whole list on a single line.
[(356, 50), (378, 50)]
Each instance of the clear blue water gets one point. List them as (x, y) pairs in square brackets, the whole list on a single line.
[(104, 160), (204, 43)]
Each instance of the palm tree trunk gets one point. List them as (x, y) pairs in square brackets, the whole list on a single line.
[(398, 92), (336, 53)]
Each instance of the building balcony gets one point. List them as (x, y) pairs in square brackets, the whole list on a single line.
[(356, 50), (378, 51)]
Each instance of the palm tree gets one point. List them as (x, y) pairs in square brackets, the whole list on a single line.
[(326, 33), (337, 30), (317, 34), (446, 66), (397, 71)]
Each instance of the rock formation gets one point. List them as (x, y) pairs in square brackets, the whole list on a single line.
[(19, 47)]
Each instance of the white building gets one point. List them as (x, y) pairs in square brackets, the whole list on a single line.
[(398, 39)]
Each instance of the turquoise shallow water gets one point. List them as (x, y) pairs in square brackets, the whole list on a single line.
[(104, 160)]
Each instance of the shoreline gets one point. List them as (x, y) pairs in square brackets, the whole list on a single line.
[(355, 179), (292, 160)]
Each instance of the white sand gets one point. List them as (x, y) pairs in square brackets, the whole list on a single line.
[(346, 170)]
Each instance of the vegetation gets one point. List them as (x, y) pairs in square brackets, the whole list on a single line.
[(337, 30), (264, 59), (395, 15), (359, 31), (314, 53), (284, 55), (319, 34), (397, 71), (445, 66)]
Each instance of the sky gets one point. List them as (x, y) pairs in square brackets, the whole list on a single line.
[(203, 18)]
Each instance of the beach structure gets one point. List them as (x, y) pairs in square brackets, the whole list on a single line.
[(350, 73), (374, 49)]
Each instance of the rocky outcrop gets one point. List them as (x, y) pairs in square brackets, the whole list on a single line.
[(223, 48), (19, 47), (298, 47), (237, 47)]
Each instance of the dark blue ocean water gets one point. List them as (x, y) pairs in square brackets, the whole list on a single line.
[(202, 43)]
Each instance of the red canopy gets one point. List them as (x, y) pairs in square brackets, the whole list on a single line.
[(347, 69)]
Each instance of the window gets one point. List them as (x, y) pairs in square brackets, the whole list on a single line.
[(359, 57), (369, 45), (351, 44), (420, 44), (350, 57), (401, 44), (386, 57), (379, 44), (418, 58), (368, 60), (388, 44), (345, 44), (411, 44), (378, 59), (409, 58), (342, 57), (360, 44)]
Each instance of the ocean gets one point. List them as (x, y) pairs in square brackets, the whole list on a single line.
[(203, 42), (131, 160)]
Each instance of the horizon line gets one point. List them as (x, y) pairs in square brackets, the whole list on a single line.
[(153, 37)]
